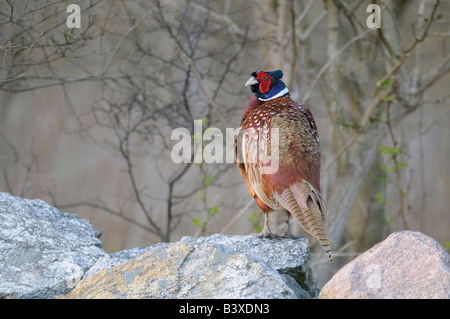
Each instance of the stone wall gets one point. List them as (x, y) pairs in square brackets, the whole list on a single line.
[(45, 253)]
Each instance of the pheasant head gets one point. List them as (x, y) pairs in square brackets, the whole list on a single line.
[(267, 85)]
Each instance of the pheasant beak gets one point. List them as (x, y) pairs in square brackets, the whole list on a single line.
[(251, 81)]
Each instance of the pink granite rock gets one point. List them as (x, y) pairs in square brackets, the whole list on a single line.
[(407, 264)]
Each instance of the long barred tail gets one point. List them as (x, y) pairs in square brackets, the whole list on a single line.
[(306, 205)]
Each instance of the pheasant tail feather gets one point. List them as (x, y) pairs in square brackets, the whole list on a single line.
[(307, 208)]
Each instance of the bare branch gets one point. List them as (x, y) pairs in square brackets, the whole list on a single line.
[(107, 209), (223, 19), (293, 43), (396, 167), (302, 36), (433, 75), (423, 33), (330, 61), (205, 93)]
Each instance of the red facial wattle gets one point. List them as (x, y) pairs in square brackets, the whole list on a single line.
[(264, 80)]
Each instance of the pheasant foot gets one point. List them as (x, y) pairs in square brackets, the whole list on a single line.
[(287, 233), (266, 233)]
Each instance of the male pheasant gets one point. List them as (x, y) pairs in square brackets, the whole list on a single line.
[(281, 157)]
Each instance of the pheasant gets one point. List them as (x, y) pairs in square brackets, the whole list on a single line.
[(281, 157)]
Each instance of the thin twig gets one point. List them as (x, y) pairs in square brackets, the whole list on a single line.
[(422, 172), (293, 41), (236, 217), (105, 209), (419, 38), (223, 19), (367, 114), (375, 97), (108, 62), (202, 87), (326, 65), (302, 36), (396, 167)]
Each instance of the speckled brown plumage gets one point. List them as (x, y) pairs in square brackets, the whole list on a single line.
[(281, 163)]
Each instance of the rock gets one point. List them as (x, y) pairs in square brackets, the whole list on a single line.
[(218, 266), (405, 265), (43, 252), (287, 256), (114, 259)]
